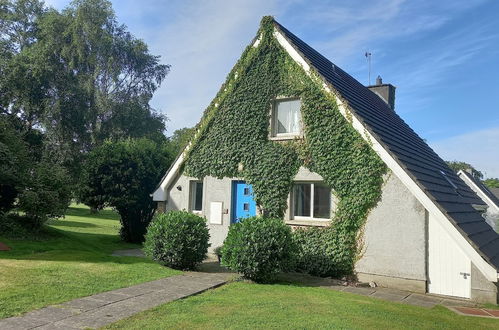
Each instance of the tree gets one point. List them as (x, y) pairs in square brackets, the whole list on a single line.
[(13, 164), (79, 75), (122, 175), (47, 193), (457, 166), (492, 182), (39, 188), (180, 138)]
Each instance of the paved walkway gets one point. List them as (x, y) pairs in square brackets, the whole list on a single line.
[(459, 306), (417, 299), (406, 297), (108, 307)]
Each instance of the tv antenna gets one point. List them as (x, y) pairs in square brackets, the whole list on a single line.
[(368, 57)]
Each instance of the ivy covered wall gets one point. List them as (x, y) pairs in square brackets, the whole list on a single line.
[(234, 131)]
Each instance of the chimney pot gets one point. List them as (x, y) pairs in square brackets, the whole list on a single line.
[(379, 81)]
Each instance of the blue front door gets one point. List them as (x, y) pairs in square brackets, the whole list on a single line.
[(243, 205)]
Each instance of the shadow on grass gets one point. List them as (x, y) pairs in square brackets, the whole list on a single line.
[(106, 214), (209, 266), (70, 246), (68, 223), (303, 279)]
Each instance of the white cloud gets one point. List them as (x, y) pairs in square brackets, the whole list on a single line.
[(479, 148), (201, 41)]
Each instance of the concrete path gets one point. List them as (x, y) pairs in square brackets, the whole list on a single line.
[(108, 307), (406, 297)]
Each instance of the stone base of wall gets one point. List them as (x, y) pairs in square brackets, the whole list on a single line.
[(483, 290), (484, 297), (161, 207), (394, 282)]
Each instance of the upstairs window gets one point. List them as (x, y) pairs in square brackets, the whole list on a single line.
[(311, 201), (286, 118), (196, 193)]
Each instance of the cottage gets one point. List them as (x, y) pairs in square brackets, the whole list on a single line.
[(491, 210), (291, 134)]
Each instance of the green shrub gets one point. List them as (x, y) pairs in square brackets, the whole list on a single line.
[(177, 239), (259, 248), (321, 252), (13, 225), (122, 174), (218, 252)]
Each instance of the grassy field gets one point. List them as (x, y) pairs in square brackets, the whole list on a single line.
[(252, 306), (71, 259)]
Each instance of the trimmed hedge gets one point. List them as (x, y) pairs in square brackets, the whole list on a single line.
[(259, 248), (177, 239)]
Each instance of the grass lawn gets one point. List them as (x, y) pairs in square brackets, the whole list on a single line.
[(247, 306), (71, 259)]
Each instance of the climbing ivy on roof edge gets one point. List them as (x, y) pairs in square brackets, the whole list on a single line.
[(233, 141)]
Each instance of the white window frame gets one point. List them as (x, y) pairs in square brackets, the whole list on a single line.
[(273, 121), (192, 196), (312, 196)]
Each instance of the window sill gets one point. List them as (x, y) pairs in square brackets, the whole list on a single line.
[(285, 137), (197, 212), (309, 222)]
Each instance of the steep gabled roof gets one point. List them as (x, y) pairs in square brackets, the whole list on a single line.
[(447, 191), (488, 196)]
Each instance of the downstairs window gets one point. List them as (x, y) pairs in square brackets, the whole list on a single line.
[(196, 193), (311, 200)]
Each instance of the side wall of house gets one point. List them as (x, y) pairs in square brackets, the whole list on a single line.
[(394, 240)]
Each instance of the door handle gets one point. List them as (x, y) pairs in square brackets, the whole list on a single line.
[(465, 275)]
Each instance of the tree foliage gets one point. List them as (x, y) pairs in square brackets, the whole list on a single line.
[(492, 182), (180, 138), (69, 80), (122, 175), (39, 188), (14, 164), (79, 75), (456, 166)]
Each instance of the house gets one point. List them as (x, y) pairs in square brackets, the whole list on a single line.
[(291, 132), (491, 213), (495, 191)]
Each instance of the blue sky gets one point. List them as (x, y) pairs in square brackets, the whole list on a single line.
[(443, 56)]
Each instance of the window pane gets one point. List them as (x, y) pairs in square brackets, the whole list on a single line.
[(288, 117), (198, 196), (295, 115), (282, 117), (322, 201), (302, 195)]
